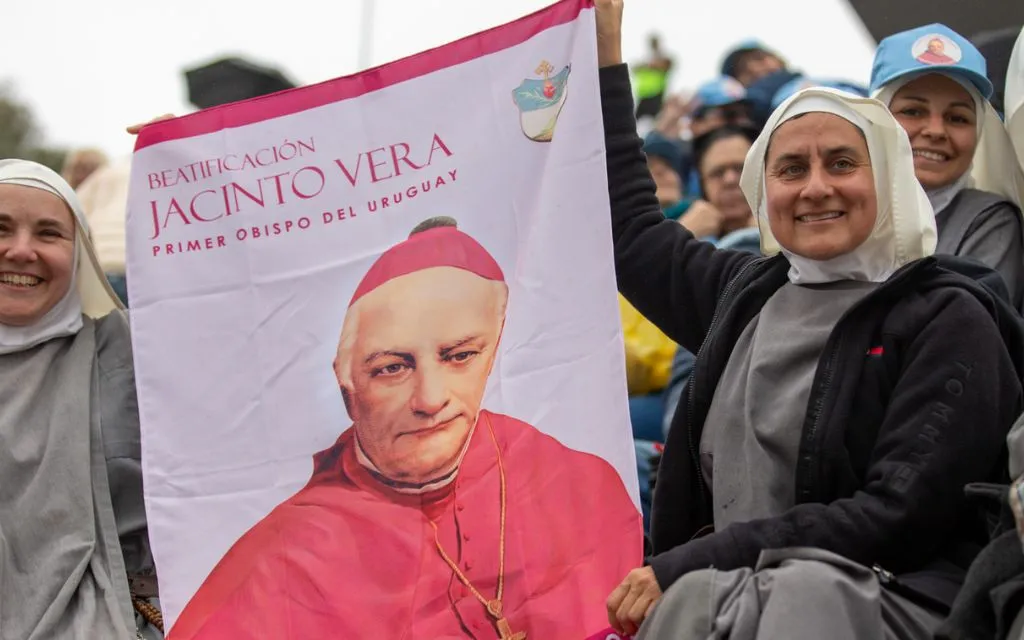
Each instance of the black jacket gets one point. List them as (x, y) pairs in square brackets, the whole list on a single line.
[(914, 394)]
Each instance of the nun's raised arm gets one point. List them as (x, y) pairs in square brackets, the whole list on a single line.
[(672, 278)]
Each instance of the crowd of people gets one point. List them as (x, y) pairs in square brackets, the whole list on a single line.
[(767, 445), (821, 288)]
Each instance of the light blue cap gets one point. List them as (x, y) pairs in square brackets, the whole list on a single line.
[(797, 84), (931, 48), (718, 92)]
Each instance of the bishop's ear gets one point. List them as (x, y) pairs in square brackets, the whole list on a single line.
[(344, 384)]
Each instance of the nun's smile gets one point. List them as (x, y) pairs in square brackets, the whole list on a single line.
[(36, 253), (820, 188), (940, 118)]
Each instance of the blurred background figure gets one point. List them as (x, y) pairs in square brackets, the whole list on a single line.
[(1014, 97), (79, 164), (104, 199), (650, 80), (751, 60), (720, 102), (769, 80), (666, 160), (803, 82)]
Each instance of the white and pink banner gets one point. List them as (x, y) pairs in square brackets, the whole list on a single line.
[(378, 353)]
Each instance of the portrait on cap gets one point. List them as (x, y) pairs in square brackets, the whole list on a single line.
[(936, 49)]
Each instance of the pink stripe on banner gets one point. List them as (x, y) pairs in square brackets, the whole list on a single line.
[(608, 634), (291, 101)]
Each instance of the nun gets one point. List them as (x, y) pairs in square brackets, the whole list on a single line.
[(1014, 98), (847, 385), (74, 552), (934, 82)]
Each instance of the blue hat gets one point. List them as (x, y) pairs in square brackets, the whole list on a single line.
[(733, 57), (657, 145), (797, 84), (932, 48), (720, 91)]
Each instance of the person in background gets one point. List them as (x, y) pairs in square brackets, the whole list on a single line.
[(665, 158), (652, 77), (80, 164), (104, 198), (718, 103), (796, 84), (991, 603), (74, 546), (751, 60), (1014, 99), (723, 217), (831, 424), (762, 71), (934, 81)]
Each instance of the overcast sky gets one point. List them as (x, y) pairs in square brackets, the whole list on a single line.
[(90, 68)]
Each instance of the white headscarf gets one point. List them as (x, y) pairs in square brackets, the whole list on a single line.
[(904, 228), (1013, 99), (91, 294), (993, 168)]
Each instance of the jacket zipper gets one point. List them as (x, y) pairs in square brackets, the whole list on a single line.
[(694, 454), (819, 404)]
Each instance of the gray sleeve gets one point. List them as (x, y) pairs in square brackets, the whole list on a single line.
[(996, 239), (1015, 443), (119, 415)]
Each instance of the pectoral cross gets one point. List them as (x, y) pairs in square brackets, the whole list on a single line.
[(505, 631)]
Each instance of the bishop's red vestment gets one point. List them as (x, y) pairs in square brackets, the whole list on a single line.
[(348, 557)]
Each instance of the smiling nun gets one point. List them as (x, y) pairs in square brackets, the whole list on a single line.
[(934, 81), (72, 523)]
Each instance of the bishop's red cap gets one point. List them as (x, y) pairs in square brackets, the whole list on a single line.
[(438, 244)]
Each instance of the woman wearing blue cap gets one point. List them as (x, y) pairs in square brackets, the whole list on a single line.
[(934, 82)]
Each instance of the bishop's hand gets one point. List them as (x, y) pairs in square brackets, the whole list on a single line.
[(632, 601)]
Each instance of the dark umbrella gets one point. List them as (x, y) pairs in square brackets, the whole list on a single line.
[(886, 17), (996, 46), (230, 80)]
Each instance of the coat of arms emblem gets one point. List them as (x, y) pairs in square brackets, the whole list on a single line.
[(540, 101)]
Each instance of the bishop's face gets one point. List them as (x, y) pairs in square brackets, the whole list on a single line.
[(423, 349)]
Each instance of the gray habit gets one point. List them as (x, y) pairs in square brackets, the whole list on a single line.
[(62, 575), (983, 226), (752, 434), (792, 593)]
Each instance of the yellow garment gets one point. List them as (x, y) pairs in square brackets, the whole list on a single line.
[(649, 352)]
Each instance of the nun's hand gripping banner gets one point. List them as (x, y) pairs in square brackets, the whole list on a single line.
[(378, 353)]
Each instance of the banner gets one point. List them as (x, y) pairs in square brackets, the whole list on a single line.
[(378, 353)]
